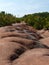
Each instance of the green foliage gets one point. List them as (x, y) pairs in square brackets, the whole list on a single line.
[(38, 20), (7, 19)]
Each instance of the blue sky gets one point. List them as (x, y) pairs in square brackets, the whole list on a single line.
[(22, 7)]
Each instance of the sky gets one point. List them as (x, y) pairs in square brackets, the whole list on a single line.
[(20, 8)]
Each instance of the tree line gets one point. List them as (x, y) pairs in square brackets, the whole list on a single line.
[(37, 20), (7, 19)]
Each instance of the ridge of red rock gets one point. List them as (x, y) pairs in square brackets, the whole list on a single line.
[(21, 44)]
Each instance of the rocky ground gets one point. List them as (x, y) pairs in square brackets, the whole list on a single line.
[(21, 44)]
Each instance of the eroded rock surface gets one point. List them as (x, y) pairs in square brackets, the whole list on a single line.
[(21, 44)]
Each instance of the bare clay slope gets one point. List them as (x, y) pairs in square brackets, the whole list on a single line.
[(20, 45)]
